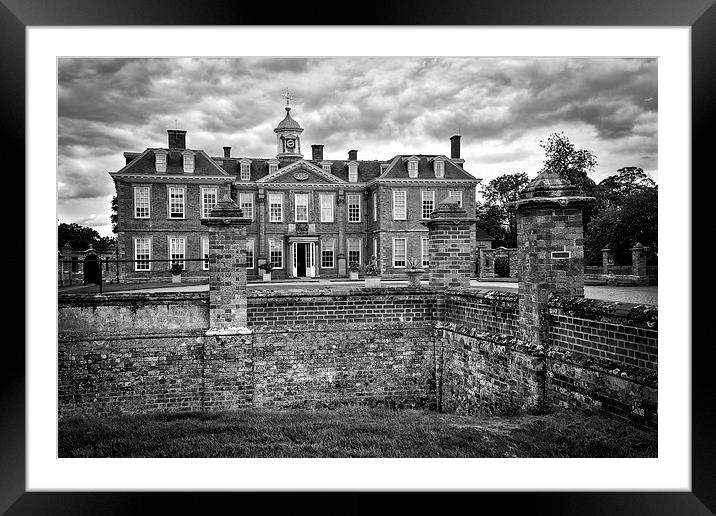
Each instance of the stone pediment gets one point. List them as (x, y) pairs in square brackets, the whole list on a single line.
[(301, 172)]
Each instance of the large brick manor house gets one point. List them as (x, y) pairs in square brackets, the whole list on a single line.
[(310, 217)]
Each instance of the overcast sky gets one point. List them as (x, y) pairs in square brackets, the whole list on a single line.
[(502, 107)]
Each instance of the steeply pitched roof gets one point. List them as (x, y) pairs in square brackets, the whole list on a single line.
[(399, 169), (367, 170), (144, 163)]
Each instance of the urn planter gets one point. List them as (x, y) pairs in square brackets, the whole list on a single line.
[(176, 278), (353, 275), (414, 277), (267, 276)]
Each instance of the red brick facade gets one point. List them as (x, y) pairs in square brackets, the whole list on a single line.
[(321, 248)]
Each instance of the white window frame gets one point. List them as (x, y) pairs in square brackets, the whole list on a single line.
[(149, 201), (404, 194), (425, 251), (160, 161), (354, 203), (245, 170), (188, 162), (413, 168), (423, 199), (243, 203), (271, 198), (205, 253), (359, 249), (456, 194), (273, 167), (326, 167), (405, 253), (375, 206), (204, 191), (439, 168), (296, 204), (325, 248), (331, 200), (183, 254), (183, 202), (250, 247), (353, 173), (276, 245), (149, 254)]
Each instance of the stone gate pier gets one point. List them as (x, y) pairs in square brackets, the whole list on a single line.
[(550, 247)]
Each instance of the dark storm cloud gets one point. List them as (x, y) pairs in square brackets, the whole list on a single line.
[(381, 106)]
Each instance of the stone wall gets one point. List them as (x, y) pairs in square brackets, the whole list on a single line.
[(604, 356), (144, 361), (456, 349)]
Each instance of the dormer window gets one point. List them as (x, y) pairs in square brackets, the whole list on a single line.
[(160, 160), (384, 167), (273, 165), (188, 162), (353, 172), (413, 167), (245, 169), (439, 168), (326, 166)]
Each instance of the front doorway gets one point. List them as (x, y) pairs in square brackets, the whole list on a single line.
[(304, 259)]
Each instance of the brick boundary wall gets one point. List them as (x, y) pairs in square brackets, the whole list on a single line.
[(482, 310), (342, 305), (456, 348)]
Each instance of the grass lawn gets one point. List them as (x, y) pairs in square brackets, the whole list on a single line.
[(352, 431)]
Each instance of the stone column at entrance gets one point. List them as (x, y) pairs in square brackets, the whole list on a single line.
[(451, 245), (607, 260), (638, 262), (227, 265), (550, 248)]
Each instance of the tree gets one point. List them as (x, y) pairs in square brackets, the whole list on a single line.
[(82, 237), (572, 164), (627, 181), (490, 218), (626, 212), (498, 193), (113, 218)]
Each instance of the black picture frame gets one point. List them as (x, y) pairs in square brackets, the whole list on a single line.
[(700, 15)]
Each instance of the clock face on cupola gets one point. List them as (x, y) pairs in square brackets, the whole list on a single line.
[(288, 131)]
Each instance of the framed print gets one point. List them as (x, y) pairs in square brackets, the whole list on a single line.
[(339, 167)]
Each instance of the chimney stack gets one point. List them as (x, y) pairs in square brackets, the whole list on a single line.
[(317, 152), (227, 152), (455, 147), (177, 139), (352, 155)]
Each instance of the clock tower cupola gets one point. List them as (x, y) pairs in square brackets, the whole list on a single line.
[(288, 135)]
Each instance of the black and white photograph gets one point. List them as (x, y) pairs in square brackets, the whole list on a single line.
[(357, 257)]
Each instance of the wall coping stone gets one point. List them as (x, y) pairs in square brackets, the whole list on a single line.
[(337, 327), (344, 292), (128, 297), (127, 335), (606, 366), (492, 296), (513, 343), (605, 311)]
